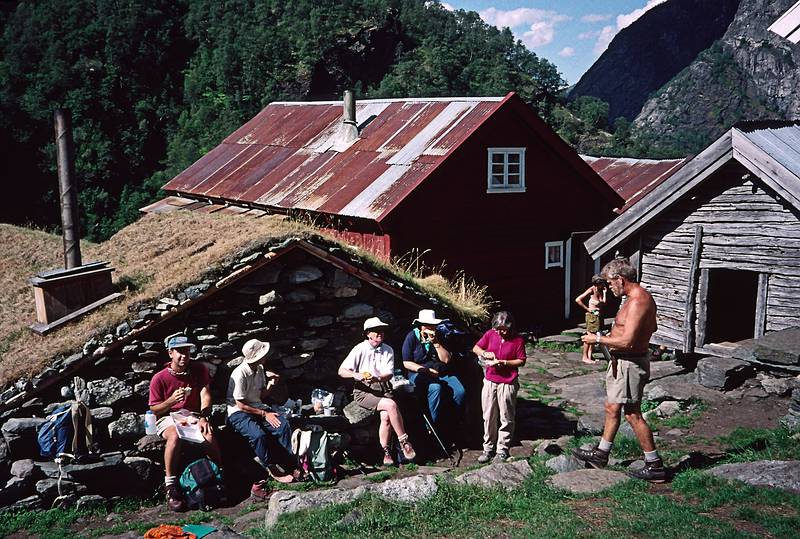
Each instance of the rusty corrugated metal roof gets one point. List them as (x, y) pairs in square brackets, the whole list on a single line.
[(291, 155), (633, 178)]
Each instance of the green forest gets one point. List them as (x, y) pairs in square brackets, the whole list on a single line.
[(154, 84)]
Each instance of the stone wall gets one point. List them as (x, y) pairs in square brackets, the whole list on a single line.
[(311, 311)]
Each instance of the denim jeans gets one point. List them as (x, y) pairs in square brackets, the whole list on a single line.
[(442, 393), (272, 445)]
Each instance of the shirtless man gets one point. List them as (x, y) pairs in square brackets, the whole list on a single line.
[(628, 371)]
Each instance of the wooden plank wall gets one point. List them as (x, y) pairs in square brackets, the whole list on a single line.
[(746, 226)]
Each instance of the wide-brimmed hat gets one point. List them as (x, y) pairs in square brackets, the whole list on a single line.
[(427, 317), (179, 341), (373, 323), (255, 350)]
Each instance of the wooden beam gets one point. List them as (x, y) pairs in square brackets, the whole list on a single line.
[(673, 188), (690, 311), (761, 305), (43, 329), (702, 313)]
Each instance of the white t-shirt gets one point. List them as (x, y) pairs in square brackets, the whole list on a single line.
[(378, 360), (245, 385)]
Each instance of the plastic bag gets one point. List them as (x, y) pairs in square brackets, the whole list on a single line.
[(321, 399)]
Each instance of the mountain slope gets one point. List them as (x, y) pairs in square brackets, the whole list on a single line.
[(651, 51), (749, 74)]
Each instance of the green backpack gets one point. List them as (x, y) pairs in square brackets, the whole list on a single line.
[(313, 451), (201, 483)]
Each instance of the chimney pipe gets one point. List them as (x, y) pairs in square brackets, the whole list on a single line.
[(67, 189), (349, 125)]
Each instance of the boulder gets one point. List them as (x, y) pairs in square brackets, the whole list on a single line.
[(127, 428), (291, 362), (723, 373), (561, 339), (359, 310), (311, 344), (779, 474), (96, 475), (304, 274), (565, 463), (102, 413), (588, 481), (223, 350), (20, 436), (301, 295), (779, 347), (25, 469), (109, 392), (16, 489), (358, 415), (408, 490), (777, 386), (90, 501), (64, 502), (145, 470), (148, 367), (270, 298), (319, 321), (667, 409), (47, 489), (31, 503), (345, 292), (504, 475)]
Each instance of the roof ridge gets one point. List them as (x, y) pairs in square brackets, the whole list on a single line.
[(395, 100)]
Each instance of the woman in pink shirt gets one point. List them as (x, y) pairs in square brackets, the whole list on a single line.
[(502, 352)]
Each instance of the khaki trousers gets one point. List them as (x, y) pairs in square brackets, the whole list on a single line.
[(499, 403)]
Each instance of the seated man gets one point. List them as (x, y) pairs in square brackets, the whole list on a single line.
[(428, 363), (181, 385), (268, 432)]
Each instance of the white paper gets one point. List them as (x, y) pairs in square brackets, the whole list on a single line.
[(188, 426)]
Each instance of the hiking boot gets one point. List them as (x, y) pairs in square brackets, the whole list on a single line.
[(408, 450), (175, 500), (595, 457), (501, 456), (387, 457), (261, 490), (485, 457), (652, 471)]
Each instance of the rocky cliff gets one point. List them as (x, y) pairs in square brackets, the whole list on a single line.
[(749, 74), (650, 52)]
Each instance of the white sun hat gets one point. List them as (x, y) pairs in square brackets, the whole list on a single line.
[(427, 317)]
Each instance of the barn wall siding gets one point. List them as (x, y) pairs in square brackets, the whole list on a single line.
[(745, 226)]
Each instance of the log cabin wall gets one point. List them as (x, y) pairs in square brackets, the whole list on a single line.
[(744, 225)]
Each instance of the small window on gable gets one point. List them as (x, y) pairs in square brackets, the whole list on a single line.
[(506, 170), (554, 254)]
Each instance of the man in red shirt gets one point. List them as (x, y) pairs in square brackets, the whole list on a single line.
[(181, 385)]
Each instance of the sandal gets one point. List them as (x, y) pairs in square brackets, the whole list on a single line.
[(408, 449)]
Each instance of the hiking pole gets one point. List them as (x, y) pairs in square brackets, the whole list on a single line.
[(435, 435)]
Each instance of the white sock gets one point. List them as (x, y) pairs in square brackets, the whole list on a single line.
[(169, 480), (604, 445), (650, 456)]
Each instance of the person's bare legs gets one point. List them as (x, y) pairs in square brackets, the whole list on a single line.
[(212, 448), (172, 451), (611, 425), (385, 429), (396, 420), (633, 415), (587, 354)]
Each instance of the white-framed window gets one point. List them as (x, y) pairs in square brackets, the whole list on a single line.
[(554, 254), (506, 170)]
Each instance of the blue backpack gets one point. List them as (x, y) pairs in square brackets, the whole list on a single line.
[(201, 483), (55, 434)]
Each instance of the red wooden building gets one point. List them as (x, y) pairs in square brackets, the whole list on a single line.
[(482, 185)]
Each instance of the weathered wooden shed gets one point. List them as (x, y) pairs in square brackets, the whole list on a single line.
[(479, 184), (718, 242)]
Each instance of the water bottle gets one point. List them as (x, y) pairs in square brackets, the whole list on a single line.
[(149, 422)]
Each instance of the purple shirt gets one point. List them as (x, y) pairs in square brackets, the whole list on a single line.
[(164, 384), (505, 350)]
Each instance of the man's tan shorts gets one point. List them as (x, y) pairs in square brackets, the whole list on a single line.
[(626, 378)]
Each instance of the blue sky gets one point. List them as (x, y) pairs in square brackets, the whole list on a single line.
[(569, 33)]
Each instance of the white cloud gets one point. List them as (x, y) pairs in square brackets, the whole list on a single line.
[(566, 52), (605, 37), (448, 7), (623, 20), (627, 18), (540, 23), (596, 17), (592, 34)]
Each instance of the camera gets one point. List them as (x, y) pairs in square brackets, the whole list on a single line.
[(428, 336)]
